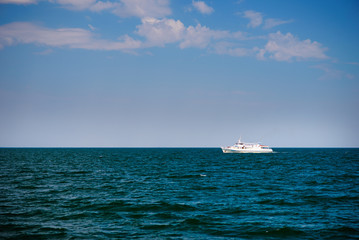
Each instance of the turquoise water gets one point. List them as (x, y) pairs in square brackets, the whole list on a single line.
[(179, 193)]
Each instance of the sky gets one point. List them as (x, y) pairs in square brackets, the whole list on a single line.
[(179, 73)]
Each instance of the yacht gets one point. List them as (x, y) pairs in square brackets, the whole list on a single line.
[(241, 147)]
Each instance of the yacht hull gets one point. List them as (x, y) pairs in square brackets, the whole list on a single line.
[(228, 150)]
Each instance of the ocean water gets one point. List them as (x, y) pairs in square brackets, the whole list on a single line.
[(178, 193)]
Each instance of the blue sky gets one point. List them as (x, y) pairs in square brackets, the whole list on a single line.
[(127, 73)]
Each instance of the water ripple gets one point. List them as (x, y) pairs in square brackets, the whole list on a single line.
[(178, 194)]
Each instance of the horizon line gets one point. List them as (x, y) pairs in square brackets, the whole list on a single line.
[(1, 147)]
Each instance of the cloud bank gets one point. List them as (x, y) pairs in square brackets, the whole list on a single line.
[(18, 1), (122, 8), (156, 30), (24, 32), (285, 47)]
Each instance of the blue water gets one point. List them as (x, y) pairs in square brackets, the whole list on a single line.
[(179, 193)]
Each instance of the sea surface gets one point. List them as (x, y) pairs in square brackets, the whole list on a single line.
[(178, 193)]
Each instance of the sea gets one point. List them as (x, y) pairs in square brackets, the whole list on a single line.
[(178, 193)]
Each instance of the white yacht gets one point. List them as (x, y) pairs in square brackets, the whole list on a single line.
[(241, 147)]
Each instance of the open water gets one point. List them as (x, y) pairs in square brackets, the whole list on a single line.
[(179, 193)]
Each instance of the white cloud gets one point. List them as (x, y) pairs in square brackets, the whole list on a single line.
[(122, 8), (260, 54), (18, 1), (201, 36), (159, 32), (76, 4), (202, 7), (271, 22), (101, 6), (255, 18), (143, 8), (285, 47), (92, 5), (24, 32)]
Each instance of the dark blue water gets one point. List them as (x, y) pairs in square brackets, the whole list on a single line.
[(178, 194)]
